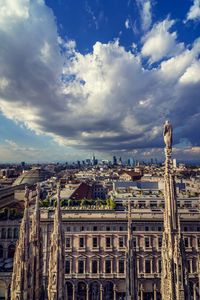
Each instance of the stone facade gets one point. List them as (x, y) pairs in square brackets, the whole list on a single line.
[(146, 230)]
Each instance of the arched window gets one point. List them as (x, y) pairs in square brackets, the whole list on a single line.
[(81, 291), (1, 251), (11, 251), (69, 290)]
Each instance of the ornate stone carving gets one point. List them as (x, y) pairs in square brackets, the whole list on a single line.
[(131, 263), (174, 281), (21, 279), (56, 278)]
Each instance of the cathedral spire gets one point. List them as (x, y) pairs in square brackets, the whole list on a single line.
[(20, 285), (131, 262), (174, 284), (36, 250), (56, 280)]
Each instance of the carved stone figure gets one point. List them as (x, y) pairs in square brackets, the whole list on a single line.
[(167, 134)]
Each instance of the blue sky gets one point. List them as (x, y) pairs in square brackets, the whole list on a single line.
[(79, 77)]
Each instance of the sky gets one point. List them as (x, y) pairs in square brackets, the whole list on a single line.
[(79, 77)]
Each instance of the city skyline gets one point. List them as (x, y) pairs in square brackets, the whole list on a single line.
[(97, 76)]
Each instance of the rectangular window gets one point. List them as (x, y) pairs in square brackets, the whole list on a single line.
[(159, 228), (68, 228), (186, 242), (134, 241), (159, 266), (81, 242), (146, 228), (108, 242), (188, 266), (82, 228), (16, 233), (94, 242), (147, 266), (94, 228), (198, 242), (9, 233), (121, 266), (81, 267), (147, 243), (107, 228), (3, 233), (67, 267), (94, 266), (121, 241), (68, 242), (159, 242), (121, 228), (108, 266)]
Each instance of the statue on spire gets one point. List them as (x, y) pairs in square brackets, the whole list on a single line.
[(167, 134)]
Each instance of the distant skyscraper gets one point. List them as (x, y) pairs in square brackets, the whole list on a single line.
[(93, 160), (114, 160)]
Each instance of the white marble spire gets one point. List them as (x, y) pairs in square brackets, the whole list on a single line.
[(174, 281), (36, 250), (56, 278), (21, 277)]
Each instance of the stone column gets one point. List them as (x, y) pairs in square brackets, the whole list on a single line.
[(141, 292), (114, 290), (74, 291), (101, 291), (6, 292), (154, 292), (194, 291), (87, 292)]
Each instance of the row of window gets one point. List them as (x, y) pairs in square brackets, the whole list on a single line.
[(9, 233), (147, 242), (10, 251), (124, 228), (149, 267), (96, 228), (95, 267), (95, 242)]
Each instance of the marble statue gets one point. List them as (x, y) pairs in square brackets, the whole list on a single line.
[(167, 134)]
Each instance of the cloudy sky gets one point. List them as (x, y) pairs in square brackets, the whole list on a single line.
[(84, 76)]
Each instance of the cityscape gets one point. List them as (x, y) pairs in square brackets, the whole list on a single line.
[(99, 150)]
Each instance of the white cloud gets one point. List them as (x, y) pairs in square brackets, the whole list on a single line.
[(127, 24), (176, 66), (160, 43), (192, 74), (145, 8), (104, 100), (194, 12)]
